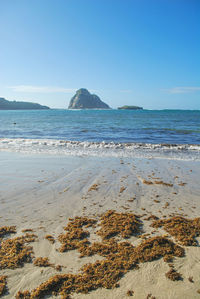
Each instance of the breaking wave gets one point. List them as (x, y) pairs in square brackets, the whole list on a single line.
[(104, 149)]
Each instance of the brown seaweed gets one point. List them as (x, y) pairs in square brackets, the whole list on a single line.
[(3, 285), (50, 239), (119, 256), (106, 273), (157, 183), (94, 187), (14, 252), (6, 230), (183, 230), (130, 293), (42, 262), (75, 235), (172, 274), (123, 224)]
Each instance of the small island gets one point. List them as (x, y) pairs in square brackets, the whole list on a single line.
[(14, 105), (130, 108), (83, 99)]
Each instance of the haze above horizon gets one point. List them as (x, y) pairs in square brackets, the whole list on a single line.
[(133, 52)]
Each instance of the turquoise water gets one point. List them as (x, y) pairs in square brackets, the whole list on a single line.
[(145, 126)]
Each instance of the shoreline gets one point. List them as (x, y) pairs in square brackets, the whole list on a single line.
[(42, 192), (104, 149)]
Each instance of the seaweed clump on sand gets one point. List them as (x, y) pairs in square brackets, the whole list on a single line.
[(3, 283), (182, 229), (157, 247), (163, 183), (106, 273), (130, 293), (50, 239), (157, 183), (42, 262), (172, 274), (119, 258), (123, 224), (23, 295), (112, 224), (94, 187), (6, 230), (151, 217), (75, 236), (15, 252), (101, 248)]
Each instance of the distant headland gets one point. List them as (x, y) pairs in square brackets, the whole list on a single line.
[(14, 105), (130, 108), (83, 99)]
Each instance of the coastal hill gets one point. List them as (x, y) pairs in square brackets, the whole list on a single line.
[(130, 108), (14, 105), (83, 99)]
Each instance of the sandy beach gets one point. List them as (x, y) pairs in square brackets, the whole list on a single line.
[(41, 193), (99, 149)]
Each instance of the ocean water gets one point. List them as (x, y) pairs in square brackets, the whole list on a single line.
[(166, 126), (121, 131)]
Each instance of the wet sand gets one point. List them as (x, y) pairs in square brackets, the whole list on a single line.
[(41, 192)]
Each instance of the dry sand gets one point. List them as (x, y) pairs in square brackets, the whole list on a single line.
[(41, 192)]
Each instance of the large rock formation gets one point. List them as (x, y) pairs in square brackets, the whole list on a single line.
[(85, 100), (9, 105)]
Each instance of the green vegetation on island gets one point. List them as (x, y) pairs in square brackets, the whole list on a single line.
[(14, 105), (126, 107)]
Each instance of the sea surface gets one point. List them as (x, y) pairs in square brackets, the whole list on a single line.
[(119, 130)]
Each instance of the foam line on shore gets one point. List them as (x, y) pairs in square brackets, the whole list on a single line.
[(78, 148)]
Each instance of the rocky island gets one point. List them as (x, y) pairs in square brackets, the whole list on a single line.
[(130, 108), (14, 105), (83, 99)]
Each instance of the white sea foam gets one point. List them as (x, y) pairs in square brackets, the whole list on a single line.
[(77, 148)]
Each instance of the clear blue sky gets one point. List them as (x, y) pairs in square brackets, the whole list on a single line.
[(139, 52)]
